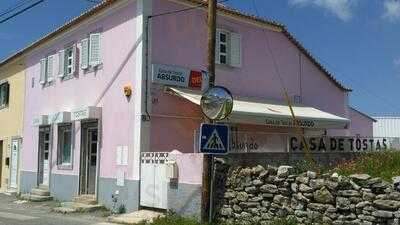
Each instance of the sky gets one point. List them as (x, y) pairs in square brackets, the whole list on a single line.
[(356, 40)]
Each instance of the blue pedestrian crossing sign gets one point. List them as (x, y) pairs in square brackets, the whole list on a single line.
[(214, 138)]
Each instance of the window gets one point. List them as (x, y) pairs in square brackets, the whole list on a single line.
[(223, 47), (90, 51), (4, 94), (66, 62), (64, 145), (46, 70), (228, 48)]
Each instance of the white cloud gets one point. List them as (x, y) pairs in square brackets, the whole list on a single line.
[(339, 8), (391, 10)]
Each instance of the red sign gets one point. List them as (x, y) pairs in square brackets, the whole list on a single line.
[(195, 79)]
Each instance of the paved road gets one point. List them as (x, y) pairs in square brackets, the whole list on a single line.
[(13, 212)]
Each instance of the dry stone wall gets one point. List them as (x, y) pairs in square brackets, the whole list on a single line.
[(259, 195)]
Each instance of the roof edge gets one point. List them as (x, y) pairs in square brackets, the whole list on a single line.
[(364, 114)]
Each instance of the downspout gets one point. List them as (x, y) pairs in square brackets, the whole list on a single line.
[(147, 49)]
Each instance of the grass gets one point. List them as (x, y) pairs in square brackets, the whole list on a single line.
[(385, 164), (178, 220)]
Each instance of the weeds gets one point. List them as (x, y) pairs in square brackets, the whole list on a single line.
[(385, 164)]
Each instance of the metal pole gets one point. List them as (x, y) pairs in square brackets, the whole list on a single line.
[(211, 27)]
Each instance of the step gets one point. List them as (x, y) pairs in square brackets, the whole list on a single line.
[(74, 207), (86, 199), (43, 187), (36, 198), (40, 192)]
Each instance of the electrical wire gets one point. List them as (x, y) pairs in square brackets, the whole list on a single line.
[(21, 11), (183, 10), (14, 7), (299, 130)]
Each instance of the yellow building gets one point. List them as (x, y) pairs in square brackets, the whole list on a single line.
[(12, 95)]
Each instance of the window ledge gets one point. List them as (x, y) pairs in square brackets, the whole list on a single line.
[(92, 69)]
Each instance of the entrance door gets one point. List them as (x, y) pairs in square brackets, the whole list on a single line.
[(89, 159), (1, 162), (44, 153), (153, 180), (15, 148)]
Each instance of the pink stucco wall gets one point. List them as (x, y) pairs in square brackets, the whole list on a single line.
[(103, 88), (360, 124), (180, 39)]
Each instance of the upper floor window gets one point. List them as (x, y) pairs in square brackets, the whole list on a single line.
[(46, 70), (4, 94), (67, 62), (228, 48), (90, 52)]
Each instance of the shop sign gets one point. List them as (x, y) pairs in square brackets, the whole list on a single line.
[(86, 113), (179, 76), (253, 142), (341, 144), (171, 75), (290, 123), (40, 121)]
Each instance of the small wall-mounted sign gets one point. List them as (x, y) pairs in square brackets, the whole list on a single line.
[(179, 76), (40, 121), (90, 112), (60, 117)]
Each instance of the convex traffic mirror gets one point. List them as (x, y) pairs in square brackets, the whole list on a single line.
[(217, 103)]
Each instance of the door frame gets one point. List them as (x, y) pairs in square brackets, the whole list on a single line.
[(85, 125), (49, 156), (19, 139), (1, 161)]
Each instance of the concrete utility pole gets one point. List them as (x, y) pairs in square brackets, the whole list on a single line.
[(211, 26)]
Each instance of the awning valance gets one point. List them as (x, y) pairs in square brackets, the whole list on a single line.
[(265, 112)]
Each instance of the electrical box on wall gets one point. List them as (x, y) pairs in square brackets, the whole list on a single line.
[(172, 170)]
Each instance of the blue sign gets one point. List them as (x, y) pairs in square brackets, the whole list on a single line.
[(214, 138)]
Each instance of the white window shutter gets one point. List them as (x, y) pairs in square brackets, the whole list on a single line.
[(61, 63), (50, 63), (217, 46), (94, 49), (84, 58), (236, 50), (43, 71), (73, 59)]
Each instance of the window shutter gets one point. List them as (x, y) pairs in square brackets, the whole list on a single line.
[(236, 50), (84, 54), (73, 59), (217, 46), (61, 63), (7, 93), (50, 62), (43, 71), (94, 49)]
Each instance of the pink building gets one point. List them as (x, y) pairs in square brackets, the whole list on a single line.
[(97, 122)]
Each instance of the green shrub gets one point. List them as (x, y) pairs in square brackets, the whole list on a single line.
[(384, 164)]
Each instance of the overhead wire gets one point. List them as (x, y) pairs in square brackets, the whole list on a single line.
[(183, 10), (299, 130), (14, 7), (21, 11)]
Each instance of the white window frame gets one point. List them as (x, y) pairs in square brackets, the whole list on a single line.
[(61, 129), (219, 43), (47, 81), (69, 61)]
